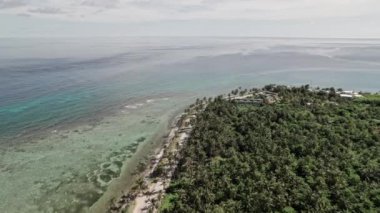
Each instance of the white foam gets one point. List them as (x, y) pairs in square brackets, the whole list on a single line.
[(134, 106), (131, 107)]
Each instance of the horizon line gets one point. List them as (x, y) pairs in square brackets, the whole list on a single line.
[(194, 36)]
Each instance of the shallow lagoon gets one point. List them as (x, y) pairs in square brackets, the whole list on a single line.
[(76, 114), (71, 168)]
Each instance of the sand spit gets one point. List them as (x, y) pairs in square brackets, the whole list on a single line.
[(149, 189)]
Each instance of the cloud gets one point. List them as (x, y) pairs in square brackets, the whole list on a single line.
[(163, 10), (101, 3), (11, 3), (47, 10)]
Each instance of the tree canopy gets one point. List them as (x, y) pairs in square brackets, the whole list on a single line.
[(310, 151)]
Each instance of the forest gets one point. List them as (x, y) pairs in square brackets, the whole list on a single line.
[(310, 151)]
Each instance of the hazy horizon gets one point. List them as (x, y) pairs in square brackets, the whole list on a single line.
[(259, 18)]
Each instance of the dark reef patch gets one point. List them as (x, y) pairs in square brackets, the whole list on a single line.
[(119, 164), (141, 139), (106, 178)]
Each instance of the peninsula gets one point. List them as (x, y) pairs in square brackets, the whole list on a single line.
[(278, 148)]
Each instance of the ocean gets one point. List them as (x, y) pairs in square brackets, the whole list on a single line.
[(78, 114)]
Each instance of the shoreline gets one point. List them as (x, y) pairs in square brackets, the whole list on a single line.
[(133, 167), (149, 188)]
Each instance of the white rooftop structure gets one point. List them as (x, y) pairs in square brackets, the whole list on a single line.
[(346, 96)]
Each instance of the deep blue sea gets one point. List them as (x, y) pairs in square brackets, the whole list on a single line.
[(63, 97)]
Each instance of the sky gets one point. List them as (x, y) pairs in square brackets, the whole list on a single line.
[(264, 18)]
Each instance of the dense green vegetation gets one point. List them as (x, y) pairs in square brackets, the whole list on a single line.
[(310, 151)]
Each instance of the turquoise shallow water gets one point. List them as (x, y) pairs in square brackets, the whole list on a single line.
[(74, 112)]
